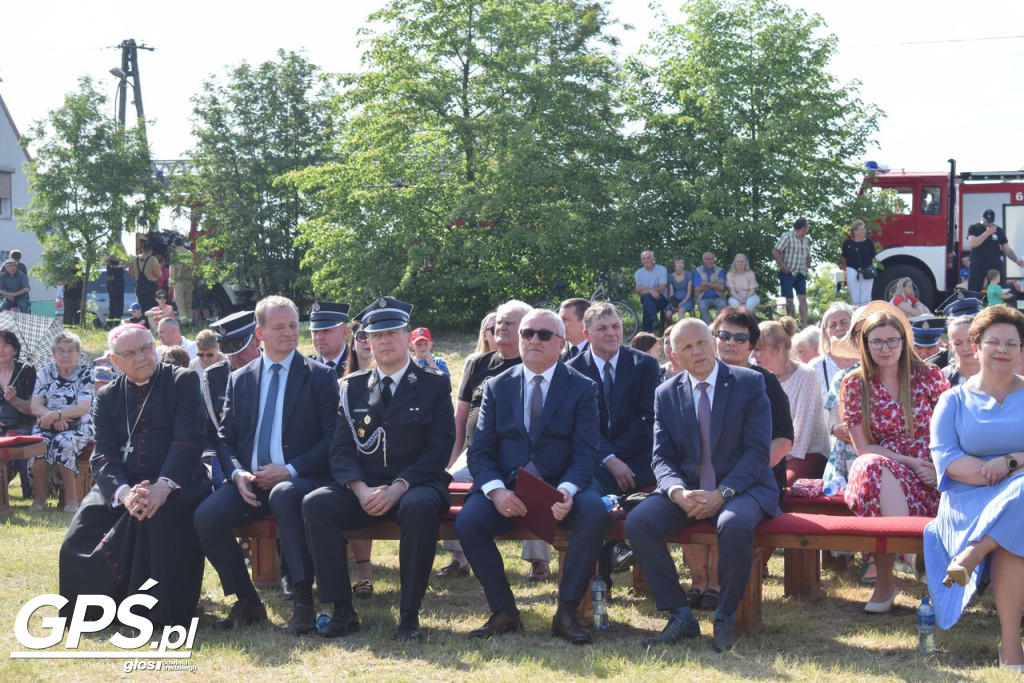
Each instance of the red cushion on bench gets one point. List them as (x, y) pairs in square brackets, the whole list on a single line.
[(796, 523), (10, 441), (459, 487), (795, 501)]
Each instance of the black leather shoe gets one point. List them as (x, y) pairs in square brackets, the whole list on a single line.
[(565, 625), (303, 620), (725, 634), (675, 630), (408, 626), (342, 623), (622, 557), (242, 612), (287, 588), (501, 622)]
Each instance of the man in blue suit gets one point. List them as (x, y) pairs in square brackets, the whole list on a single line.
[(712, 436), (278, 421), (540, 416), (626, 379)]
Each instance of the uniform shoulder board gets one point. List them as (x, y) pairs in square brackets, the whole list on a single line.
[(218, 364), (357, 373), (430, 370)]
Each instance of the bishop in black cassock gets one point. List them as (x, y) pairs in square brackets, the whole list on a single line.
[(136, 522)]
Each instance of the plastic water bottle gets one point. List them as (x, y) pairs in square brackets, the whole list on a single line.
[(321, 621), (925, 627), (834, 487), (599, 598), (610, 502)]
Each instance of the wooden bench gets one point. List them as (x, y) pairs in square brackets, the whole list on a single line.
[(802, 536), (12, 454)]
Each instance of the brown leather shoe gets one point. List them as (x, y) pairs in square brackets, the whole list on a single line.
[(565, 625), (540, 571), (303, 620), (454, 569), (501, 622), (242, 612)]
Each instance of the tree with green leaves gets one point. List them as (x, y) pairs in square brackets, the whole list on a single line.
[(90, 181), (260, 124), (743, 130), (479, 149)]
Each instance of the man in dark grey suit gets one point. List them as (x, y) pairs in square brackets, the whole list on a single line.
[(627, 379), (540, 416), (712, 436), (279, 416)]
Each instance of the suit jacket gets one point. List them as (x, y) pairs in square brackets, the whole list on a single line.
[(632, 430), (741, 433), (563, 443), (307, 423), (339, 369), (417, 430)]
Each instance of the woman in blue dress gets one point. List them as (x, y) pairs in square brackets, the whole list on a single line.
[(978, 449)]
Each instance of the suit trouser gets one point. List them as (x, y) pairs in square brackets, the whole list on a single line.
[(225, 509), (533, 551), (479, 522), (658, 517), (332, 509)]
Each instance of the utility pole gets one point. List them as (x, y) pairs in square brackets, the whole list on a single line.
[(129, 69)]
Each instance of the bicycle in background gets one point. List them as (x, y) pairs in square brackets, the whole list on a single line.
[(607, 287)]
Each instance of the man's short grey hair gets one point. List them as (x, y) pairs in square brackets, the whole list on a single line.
[(272, 303), (513, 306), (544, 313), (168, 322), (600, 309)]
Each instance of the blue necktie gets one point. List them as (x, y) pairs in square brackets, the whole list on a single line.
[(267, 423), (708, 480)]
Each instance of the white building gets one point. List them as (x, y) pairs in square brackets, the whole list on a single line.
[(14, 195)]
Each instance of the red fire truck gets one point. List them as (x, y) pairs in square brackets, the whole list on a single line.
[(925, 240)]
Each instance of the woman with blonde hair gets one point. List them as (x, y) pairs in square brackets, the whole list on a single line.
[(886, 405), (485, 341), (742, 284), (905, 300), (810, 435), (835, 323)]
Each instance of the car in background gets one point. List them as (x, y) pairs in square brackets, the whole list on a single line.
[(97, 300)]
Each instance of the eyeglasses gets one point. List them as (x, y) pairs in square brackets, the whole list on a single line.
[(211, 354), (738, 337), (362, 336), (131, 354), (994, 344), (160, 296), (489, 329), (892, 344), (543, 335)]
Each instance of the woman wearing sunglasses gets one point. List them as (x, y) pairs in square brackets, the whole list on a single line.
[(887, 405), (736, 334)]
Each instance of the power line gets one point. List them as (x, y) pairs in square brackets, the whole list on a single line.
[(941, 42)]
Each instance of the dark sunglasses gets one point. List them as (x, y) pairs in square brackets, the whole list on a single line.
[(206, 355), (543, 335), (362, 336), (489, 329), (738, 337)]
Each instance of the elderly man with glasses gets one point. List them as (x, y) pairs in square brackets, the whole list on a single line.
[(541, 417)]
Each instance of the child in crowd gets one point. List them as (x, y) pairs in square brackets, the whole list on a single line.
[(994, 292), (421, 343), (136, 317)]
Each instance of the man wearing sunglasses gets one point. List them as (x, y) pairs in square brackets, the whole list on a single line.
[(541, 416), (627, 379)]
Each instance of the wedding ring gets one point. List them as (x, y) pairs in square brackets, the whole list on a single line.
[(508, 510)]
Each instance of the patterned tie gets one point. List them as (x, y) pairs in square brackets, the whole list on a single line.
[(708, 480), (385, 390), (606, 385), (267, 423), (536, 401)]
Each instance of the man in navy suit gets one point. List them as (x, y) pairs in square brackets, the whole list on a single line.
[(712, 436), (540, 416), (279, 416), (627, 379)]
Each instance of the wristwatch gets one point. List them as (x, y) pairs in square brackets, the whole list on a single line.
[(1012, 463), (726, 492)]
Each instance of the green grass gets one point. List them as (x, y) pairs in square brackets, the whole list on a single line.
[(826, 639)]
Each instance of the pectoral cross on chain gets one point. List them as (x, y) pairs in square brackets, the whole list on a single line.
[(126, 450)]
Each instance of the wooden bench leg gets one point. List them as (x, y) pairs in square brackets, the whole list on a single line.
[(640, 585), (803, 573), (5, 503), (838, 564), (266, 566), (749, 619)]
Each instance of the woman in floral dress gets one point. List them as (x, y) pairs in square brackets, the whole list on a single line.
[(893, 474)]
